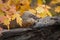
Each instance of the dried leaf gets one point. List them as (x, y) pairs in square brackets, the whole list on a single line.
[(13, 17), (18, 19), (55, 1), (2, 19), (6, 21), (57, 9), (1, 13), (40, 2), (43, 12)]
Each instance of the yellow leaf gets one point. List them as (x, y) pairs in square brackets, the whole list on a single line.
[(57, 9), (42, 12), (40, 9), (48, 13), (24, 5), (55, 1), (40, 2), (1, 13), (18, 19), (13, 17), (6, 21), (32, 11)]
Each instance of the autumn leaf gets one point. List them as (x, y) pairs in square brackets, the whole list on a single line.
[(12, 9), (13, 17), (6, 22), (57, 9), (55, 1), (2, 19), (42, 11), (40, 2), (18, 19), (16, 1), (1, 13)]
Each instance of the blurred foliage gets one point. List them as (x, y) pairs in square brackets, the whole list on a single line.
[(55, 1), (14, 9), (57, 9), (1, 13)]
